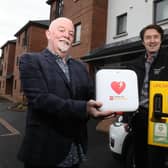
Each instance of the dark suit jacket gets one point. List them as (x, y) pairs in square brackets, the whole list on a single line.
[(158, 71), (139, 121), (56, 109)]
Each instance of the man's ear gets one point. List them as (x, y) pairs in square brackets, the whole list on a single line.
[(143, 43), (48, 34)]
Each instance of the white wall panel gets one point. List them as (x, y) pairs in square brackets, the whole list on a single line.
[(139, 14)]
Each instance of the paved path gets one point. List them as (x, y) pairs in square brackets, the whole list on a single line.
[(99, 154), (12, 130)]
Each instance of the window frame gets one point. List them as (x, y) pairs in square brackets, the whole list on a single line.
[(156, 3), (124, 19), (77, 34), (59, 8), (25, 41)]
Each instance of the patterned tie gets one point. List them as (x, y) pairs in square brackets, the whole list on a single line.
[(144, 99)]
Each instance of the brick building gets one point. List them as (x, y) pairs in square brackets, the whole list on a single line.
[(30, 38), (7, 64), (1, 70)]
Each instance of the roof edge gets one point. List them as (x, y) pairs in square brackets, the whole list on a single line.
[(42, 23)]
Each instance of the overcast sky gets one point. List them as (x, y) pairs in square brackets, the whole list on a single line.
[(14, 14)]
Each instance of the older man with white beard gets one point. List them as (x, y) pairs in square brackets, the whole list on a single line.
[(59, 93)]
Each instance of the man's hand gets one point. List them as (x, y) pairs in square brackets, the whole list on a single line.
[(93, 110)]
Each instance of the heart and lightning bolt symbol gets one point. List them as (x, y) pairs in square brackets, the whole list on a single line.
[(118, 87)]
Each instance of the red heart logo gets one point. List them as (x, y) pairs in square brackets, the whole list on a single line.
[(118, 87)]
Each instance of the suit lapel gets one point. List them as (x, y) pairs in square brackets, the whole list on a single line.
[(50, 58), (72, 78)]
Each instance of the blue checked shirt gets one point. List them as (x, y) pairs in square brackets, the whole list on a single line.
[(76, 154)]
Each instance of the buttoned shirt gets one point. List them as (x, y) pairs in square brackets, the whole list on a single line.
[(144, 97), (76, 153)]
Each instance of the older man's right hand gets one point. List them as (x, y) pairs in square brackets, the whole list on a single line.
[(93, 110)]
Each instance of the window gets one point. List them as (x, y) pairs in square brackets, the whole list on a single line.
[(3, 84), (59, 8), (2, 70), (15, 84), (122, 24), (77, 37), (17, 61), (25, 39), (18, 39), (161, 10)]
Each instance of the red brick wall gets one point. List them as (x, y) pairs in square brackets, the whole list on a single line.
[(37, 39), (8, 61), (36, 42), (99, 23)]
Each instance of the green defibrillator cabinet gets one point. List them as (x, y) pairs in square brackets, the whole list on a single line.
[(158, 114)]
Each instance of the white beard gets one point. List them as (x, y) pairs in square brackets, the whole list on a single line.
[(63, 46)]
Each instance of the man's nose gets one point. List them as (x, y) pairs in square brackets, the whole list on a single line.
[(152, 39), (66, 34)]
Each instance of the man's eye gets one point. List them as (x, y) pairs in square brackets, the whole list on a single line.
[(61, 30), (156, 37), (148, 37)]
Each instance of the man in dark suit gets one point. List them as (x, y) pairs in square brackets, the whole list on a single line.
[(152, 65), (59, 93)]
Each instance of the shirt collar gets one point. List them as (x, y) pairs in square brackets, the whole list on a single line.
[(66, 58), (154, 55), (58, 57)]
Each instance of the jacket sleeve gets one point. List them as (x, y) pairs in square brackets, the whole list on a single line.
[(39, 99)]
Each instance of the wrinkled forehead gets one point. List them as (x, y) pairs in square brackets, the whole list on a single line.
[(61, 22)]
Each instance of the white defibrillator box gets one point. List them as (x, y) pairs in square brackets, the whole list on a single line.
[(117, 89)]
